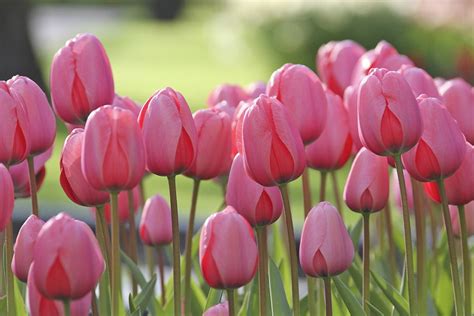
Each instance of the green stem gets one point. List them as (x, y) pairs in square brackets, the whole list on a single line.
[(387, 214), (11, 308), (320, 285), (337, 196), (366, 262), (231, 301), (161, 270), (133, 236), (176, 251), (189, 248), (466, 261), (67, 307), (262, 268), (292, 248), (150, 260), (95, 311), (407, 232), (33, 188), (327, 295), (115, 280), (322, 187), (100, 234), (420, 245)]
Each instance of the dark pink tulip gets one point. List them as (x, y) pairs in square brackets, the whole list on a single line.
[(127, 104), (67, 259), (395, 190), (237, 123), (123, 206), (367, 185), (273, 149), (221, 309), (334, 146), (227, 250), (214, 144), (113, 154), (255, 89), (40, 305), (81, 79), (169, 133), (231, 93), (155, 224), (299, 89), (14, 128), (335, 62), (351, 94), (72, 179), (420, 82), (326, 248), (469, 215), (258, 204), (441, 148), (389, 118), (7, 197), (458, 97)]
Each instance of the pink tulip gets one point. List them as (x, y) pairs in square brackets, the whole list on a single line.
[(7, 197), (298, 88), (123, 206), (389, 118), (221, 309), (332, 149), (127, 104), (237, 124), (81, 79), (258, 204), (420, 81), (367, 185), (458, 96), (169, 133), (214, 144), (255, 89), (227, 250), (40, 305), (72, 179), (24, 245), (326, 248), (442, 146), (224, 107), (113, 154), (67, 259), (155, 224), (71, 127), (395, 190), (351, 95), (468, 214), (335, 62), (231, 93)]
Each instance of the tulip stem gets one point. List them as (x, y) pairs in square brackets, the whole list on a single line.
[(150, 260), (335, 187), (133, 236), (466, 261), (176, 244), (320, 285), (189, 248), (407, 231), (322, 187), (366, 259), (11, 308), (100, 234), (452, 249), (67, 307), (231, 301), (262, 268), (391, 244), (292, 248), (420, 245), (328, 295), (33, 188), (115, 280), (161, 270), (95, 311)]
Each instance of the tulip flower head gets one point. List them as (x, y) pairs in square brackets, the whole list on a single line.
[(420, 82), (221, 309), (155, 224), (231, 93), (127, 104), (468, 214), (351, 96), (7, 197), (255, 89), (237, 124)]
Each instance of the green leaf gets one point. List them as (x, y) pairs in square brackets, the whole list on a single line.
[(213, 298), (198, 299), (398, 301), (356, 232), (131, 305), (281, 257), (3, 305), (278, 303), (19, 301), (352, 304), (374, 310), (144, 298)]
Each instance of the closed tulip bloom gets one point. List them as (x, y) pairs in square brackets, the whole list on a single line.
[(326, 248), (458, 97), (335, 62), (224, 107), (237, 123), (67, 259), (389, 118), (351, 94), (71, 127), (214, 144), (123, 206), (367, 185), (459, 186), (231, 93), (169, 133), (155, 224), (273, 149), (258, 204), (441, 148), (7, 197), (81, 79), (469, 215), (14, 128), (127, 104), (420, 82), (299, 89), (227, 250), (221, 309), (113, 154), (72, 179), (255, 89), (332, 149), (395, 190)]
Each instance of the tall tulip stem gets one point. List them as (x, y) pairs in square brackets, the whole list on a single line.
[(328, 295), (176, 244), (420, 245), (320, 285), (366, 259), (337, 196), (67, 307), (231, 301), (189, 248), (408, 240), (161, 270), (133, 236), (11, 308), (387, 214), (262, 268), (100, 234), (33, 188), (466, 261), (292, 248), (115, 280)]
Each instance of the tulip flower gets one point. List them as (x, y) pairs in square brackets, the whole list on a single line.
[(155, 224), (231, 93), (395, 189), (221, 309), (113, 155), (299, 89), (127, 104), (420, 82), (469, 214), (71, 127), (24, 245), (81, 79), (335, 62), (60, 271), (237, 123), (255, 89), (351, 94), (123, 206), (458, 97), (224, 107), (7, 197), (333, 147)]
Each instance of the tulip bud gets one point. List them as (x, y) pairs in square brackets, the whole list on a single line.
[(258, 204), (127, 104), (169, 133), (237, 123), (395, 189), (231, 93), (7, 197), (389, 118), (123, 206), (298, 88), (255, 89), (214, 144), (81, 79), (334, 146), (113, 154), (458, 97), (442, 146), (420, 81), (221, 309), (227, 250), (224, 107), (335, 62), (469, 216), (155, 224), (67, 259), (351, 94), (326, 248), (367, 185), (273, 150), (71, 127)]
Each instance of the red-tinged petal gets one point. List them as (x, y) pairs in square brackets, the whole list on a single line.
[(184, 153), (264, 208), (426, 162), (319, 263), (431, 189), (391, 130), (57, 284), (80, 102)]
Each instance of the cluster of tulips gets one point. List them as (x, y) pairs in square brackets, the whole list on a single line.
[(374, 105)]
